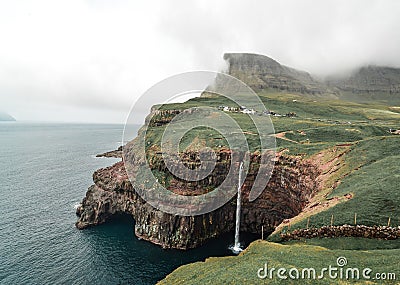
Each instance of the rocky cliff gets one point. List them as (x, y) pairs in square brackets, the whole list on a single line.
[(292, 183), (261, 72), (370, 79)]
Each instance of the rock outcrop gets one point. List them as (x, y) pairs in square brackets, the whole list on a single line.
[(261, 72), (114, 153), (293, 182), (291, 185), (370, 80)]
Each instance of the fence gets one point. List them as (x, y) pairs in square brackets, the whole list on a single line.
[(386, 232)]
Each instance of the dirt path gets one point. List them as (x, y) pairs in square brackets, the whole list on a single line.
[(282, 136)]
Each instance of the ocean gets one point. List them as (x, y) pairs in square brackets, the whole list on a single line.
[(45, 170)]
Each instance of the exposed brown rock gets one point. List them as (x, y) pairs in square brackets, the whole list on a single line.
[(292, 183), (261, 72), (114, 153)]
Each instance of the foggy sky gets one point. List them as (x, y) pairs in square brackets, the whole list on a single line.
[(87, 61)]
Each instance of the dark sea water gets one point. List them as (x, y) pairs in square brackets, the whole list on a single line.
[(45, 170)]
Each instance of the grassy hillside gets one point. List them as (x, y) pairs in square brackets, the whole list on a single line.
[(374, 186), (323, 122), (243, 269), (368, 174), (369, 170)]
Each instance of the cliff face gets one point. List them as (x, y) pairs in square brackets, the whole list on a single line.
[(292, 183), (261, 72), (371, 79)]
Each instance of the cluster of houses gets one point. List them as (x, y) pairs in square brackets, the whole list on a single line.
[(245, 110), (241, 109)]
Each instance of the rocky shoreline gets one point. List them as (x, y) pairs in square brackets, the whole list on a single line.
[(114, 153), (292, 183)]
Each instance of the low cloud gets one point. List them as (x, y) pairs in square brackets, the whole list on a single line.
[(102, 55)]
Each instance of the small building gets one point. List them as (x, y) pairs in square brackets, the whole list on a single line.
[(248, 111), (291, 115)]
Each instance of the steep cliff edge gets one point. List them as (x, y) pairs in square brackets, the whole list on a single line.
[(292, 183), (261, 72), (370, 79)]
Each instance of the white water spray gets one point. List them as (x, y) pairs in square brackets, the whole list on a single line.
[(236, 247)]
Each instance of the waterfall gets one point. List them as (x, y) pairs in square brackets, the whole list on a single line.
[(236, 247)]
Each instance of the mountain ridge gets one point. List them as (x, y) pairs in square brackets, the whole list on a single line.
[(262, 72), (369, 79)]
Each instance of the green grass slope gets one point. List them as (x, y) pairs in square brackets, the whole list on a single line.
[(243, 269), (369, 173)]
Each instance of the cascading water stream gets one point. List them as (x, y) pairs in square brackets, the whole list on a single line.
[(236, 247)]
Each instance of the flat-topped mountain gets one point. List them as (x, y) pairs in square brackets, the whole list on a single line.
[(262, 72), (6, 117)]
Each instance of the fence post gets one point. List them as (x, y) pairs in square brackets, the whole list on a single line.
[(332, 220), (388, 222), (308, 222), (355, 219)]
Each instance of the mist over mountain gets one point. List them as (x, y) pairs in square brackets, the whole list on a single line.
[(262, 72), (369, 79), (6, 117)]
